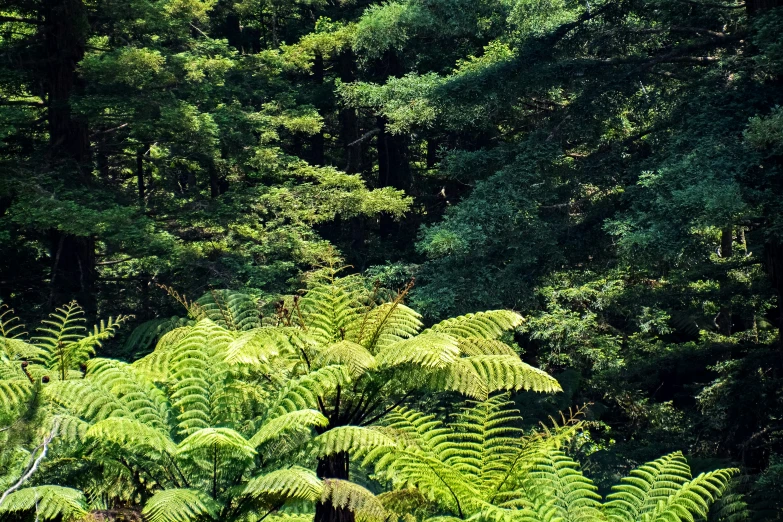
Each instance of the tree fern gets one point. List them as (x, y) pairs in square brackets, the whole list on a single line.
[(480, 466), (231, 310), (180, 505), (47, 503)]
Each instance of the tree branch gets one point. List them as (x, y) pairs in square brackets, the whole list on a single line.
[(44, 446), (20, 20)]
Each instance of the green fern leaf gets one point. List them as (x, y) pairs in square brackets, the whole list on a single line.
[(179, 505), (483, 325), (47, 502)]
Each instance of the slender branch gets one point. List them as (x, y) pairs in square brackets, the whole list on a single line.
[(32, 467), (365, 137), (387, 410), (115, 262), (741, 5), (23, 103), (20, 20)]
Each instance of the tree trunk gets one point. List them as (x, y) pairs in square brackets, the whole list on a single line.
[(317, 141), (140, 183), (393, 169), (73, 273), (349, 121), (773, 258), (726, 251), (334, 466)]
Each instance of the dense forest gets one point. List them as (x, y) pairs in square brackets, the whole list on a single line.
[(400, 260)]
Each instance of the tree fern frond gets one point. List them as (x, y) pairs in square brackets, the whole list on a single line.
[(281, 485), (329, 309), (347, 495), (261, 345), (216, 443), (556, 480), (145, 336), (179, 505), (303, 392), (508, 372), (292, 421), (145, 400), (431, 350), (692, 499), (354, 356), (48, 502), (355, 440), (14, 393), (11, 326), (730, 507), (132, 436), (231, 310), (646, 486), (485, 439), (472, 346), (483, 325), (384, 325), (85, 400)]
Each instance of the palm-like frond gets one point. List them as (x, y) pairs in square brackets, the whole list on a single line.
[(297, 420), (356, 440), (646, 486), (47, 502), (360, 501), (231, 310), (65, 343), (664, 490), (143, 338), (291, 483), (179, 505), (482, 325)]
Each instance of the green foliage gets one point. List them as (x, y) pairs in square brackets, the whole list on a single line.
[(480, 466)]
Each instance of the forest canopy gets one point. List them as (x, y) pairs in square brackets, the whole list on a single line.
[(323, 240)]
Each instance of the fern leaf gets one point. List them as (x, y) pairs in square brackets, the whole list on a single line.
[(131, 436), (431, 350), (231, 310), (347, 495), (383, 325), (292, 421), (354, 356), (646, 486), (284, 484), (692, 500), (179, 505), (216, 443), (48, 502), (483, 325), (356, 440)]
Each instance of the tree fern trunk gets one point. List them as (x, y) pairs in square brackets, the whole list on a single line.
[(334, 466), (73, 273)]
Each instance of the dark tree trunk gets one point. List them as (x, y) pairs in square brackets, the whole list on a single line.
[(73, 272), (337, 467), (64, 37), (773, 258), (140, 182), (393, 169), (214, 179), (726, 251), (349, 121), (349, 136), (432, 153), (317, 141)]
